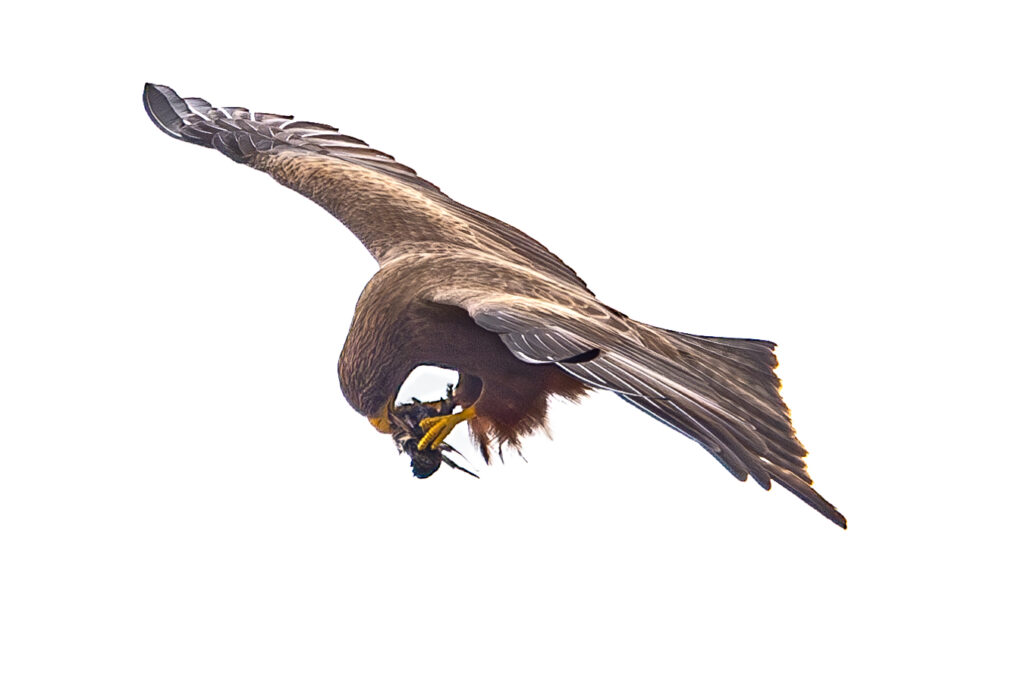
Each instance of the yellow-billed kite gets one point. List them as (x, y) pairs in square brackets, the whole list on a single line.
[(461, 290)]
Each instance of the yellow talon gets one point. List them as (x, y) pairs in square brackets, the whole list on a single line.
[(438, 428)]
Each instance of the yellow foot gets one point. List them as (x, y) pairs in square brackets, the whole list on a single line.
[(438, 428)]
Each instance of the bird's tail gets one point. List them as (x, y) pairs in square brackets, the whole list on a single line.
[(737, 377)]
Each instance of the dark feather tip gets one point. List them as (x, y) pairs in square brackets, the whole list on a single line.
[(165, 108)]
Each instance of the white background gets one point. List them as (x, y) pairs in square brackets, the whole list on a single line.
[(185, 494)]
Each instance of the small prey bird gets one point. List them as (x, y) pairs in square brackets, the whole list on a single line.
[(458, 289)]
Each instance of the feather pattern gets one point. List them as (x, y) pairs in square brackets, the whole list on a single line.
[(392, 210), (517, 306), (721, 392)]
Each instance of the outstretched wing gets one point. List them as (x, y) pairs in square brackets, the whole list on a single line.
[(389, 208), (721, 392)]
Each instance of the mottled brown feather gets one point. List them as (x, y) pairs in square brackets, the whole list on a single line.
[(459, 289)]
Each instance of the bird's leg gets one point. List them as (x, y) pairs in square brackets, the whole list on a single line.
[(438, 428)]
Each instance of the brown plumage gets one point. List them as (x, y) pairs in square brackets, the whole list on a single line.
[(461, 290)]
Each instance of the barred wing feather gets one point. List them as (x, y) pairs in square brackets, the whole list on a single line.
[(721, 392), (392, 210)]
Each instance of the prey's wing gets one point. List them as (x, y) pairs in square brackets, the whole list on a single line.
[(390, 209), (721, 392)]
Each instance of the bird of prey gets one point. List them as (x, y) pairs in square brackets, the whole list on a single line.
[(461, 290)]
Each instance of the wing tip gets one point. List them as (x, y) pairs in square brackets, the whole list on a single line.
[(834, 516), (165, 109), (823, 507)]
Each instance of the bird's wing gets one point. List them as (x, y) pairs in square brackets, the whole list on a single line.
[(721, 392), (390, 209)]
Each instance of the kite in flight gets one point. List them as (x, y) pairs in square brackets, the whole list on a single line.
[(458, 289)]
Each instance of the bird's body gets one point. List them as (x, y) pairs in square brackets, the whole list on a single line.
[(461, 290), (397, 317)]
